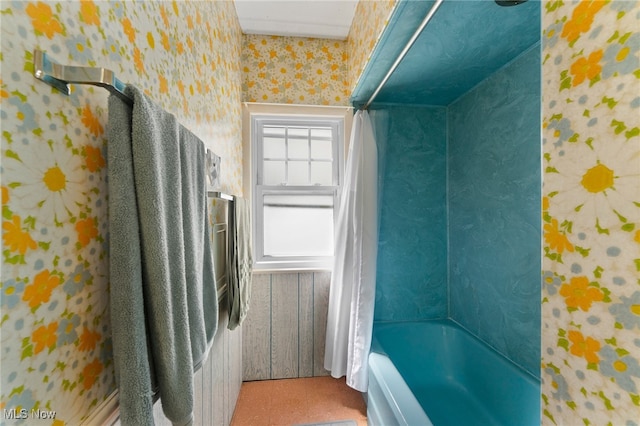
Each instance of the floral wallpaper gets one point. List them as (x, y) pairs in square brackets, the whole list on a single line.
[(369, 21), (56, 350), (591, 213), (294, 70)]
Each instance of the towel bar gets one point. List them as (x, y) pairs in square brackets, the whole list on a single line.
[(60, 76)]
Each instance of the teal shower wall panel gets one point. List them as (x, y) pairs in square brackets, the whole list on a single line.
[(494, 210), (465, 43), (412, 250)]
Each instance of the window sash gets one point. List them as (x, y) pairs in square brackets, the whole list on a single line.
[(294, 261), (317, 157), (263, 127)]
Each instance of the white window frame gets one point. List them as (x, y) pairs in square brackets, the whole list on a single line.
[(340, 120)]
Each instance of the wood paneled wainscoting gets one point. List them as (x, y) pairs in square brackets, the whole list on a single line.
[(284, 332)]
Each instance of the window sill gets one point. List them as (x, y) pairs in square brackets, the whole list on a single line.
[(274, 267)]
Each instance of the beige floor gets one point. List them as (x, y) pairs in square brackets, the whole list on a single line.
[(298, 401)]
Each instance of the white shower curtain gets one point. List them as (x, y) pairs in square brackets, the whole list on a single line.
[(353, 281)]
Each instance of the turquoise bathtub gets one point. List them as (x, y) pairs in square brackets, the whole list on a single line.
[(436, 373)]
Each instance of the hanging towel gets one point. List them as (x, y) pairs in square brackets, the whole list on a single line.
[(129, 336), (164, 307), (241, 264)]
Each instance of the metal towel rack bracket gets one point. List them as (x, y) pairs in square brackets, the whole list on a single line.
[(220, 195), (60, 76)]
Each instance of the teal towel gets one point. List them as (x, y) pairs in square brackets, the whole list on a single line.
[(164, 308), (126, 297), (241, 263)]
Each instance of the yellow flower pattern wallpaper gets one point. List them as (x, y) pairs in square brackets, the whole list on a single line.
[(369, 21), (591, 213), (294, 70), (56, 345), (193, 60)]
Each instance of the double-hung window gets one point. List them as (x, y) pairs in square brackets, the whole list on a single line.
[(296, 174)]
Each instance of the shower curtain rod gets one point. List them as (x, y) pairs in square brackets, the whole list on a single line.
[(60, 76), (404, 51)]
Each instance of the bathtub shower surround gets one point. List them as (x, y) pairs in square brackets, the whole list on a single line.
[(412, 252), (465, 242), (455, 378), (459, 224), (494, 210), (460, 217), (591, 213), (588, 235)]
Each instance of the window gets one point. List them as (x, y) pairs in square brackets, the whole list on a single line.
[(296, 174)]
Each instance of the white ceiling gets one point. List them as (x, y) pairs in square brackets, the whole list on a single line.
[(298, 18)]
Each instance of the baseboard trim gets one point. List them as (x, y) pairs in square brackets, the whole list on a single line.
[(105, 414)]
